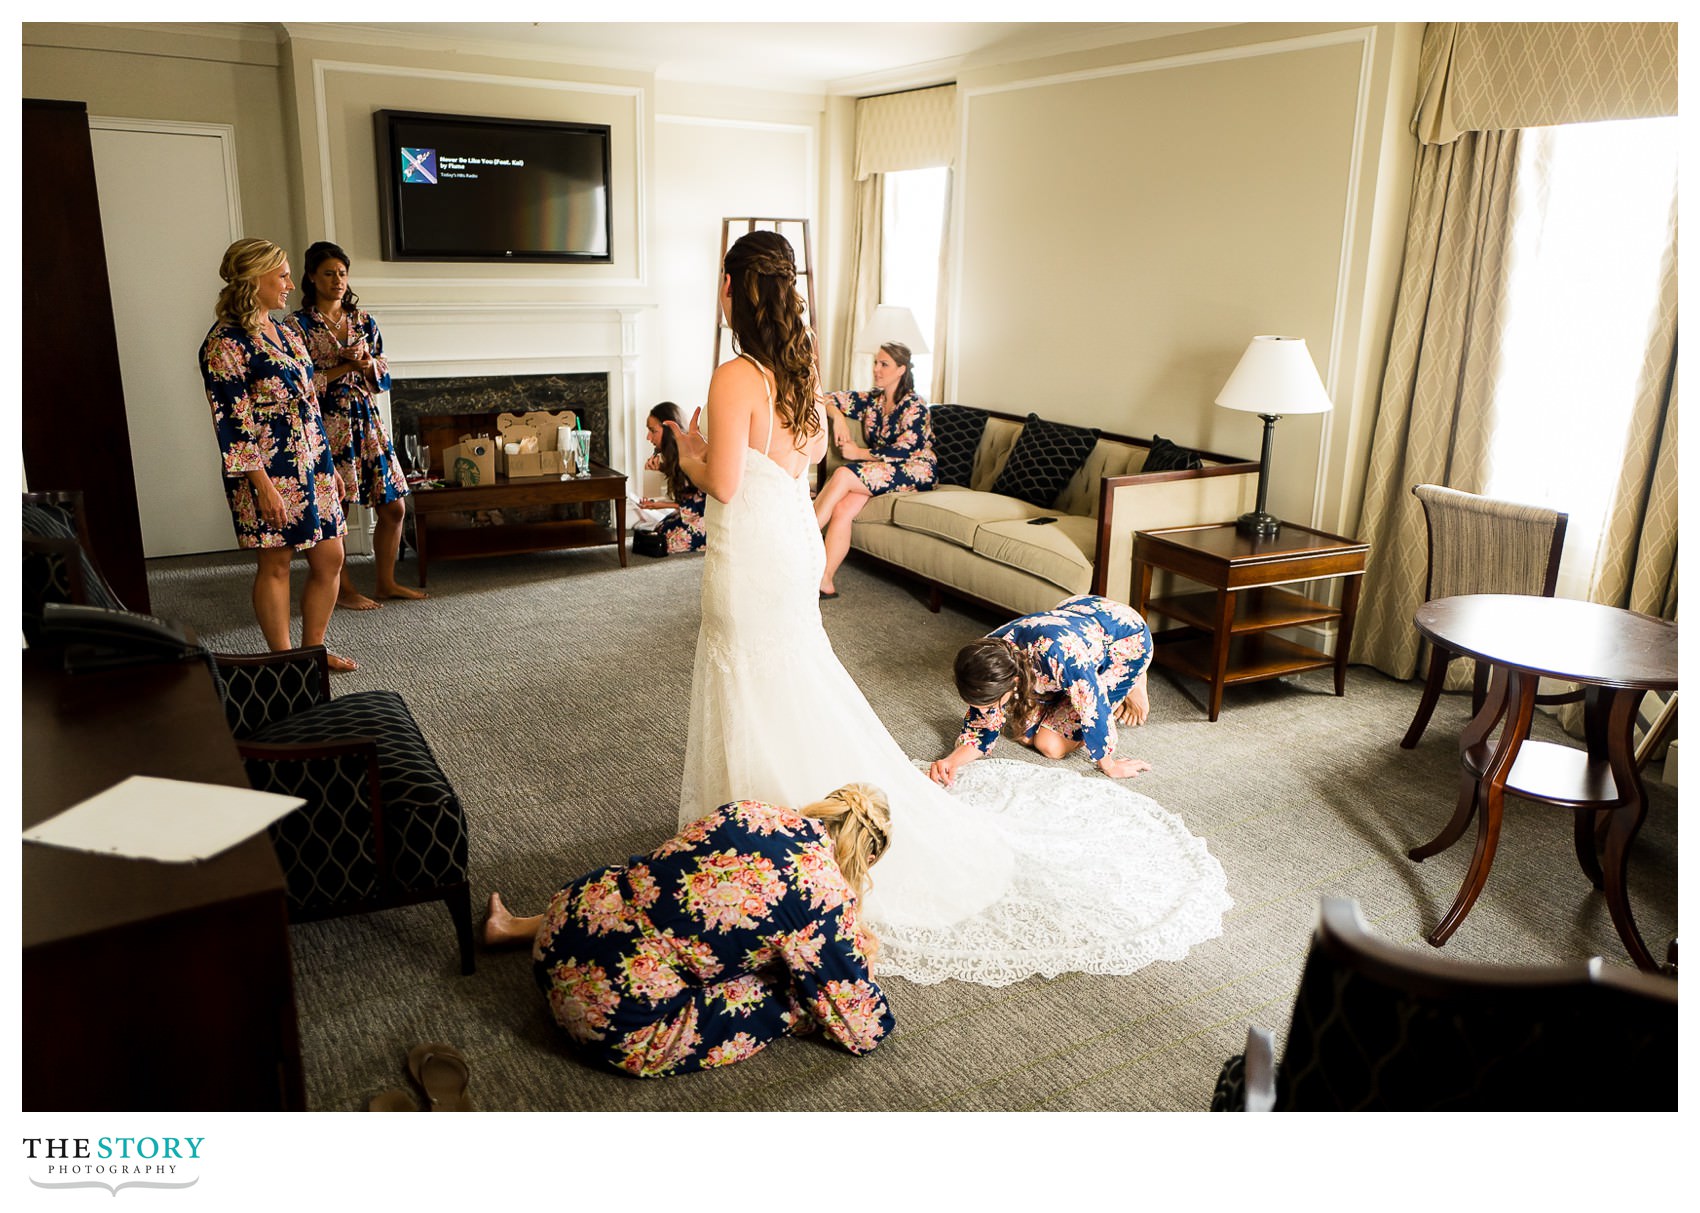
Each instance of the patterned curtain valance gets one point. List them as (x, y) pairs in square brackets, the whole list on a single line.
[(1506, 75), (902, 131)]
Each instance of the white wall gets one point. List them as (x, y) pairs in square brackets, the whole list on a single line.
[(706, 170)]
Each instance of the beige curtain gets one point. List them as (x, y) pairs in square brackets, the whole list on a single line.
[(1479, 84), (895, 132), (865, 263), (1437, 390), (941, 316), (1505, 75)]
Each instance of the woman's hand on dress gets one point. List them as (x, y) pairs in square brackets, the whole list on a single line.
[(853, 451), (943, 771), (270, 502), (1122, 768), (691, 441)]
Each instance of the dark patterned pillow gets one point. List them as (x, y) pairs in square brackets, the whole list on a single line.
[(1045, 459), (956, 436), (1165, 456)]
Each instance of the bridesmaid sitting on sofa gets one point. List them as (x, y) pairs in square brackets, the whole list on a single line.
[(898, 458)]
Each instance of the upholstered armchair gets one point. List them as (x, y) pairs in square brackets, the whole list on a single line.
[(1378, 1027), (382, 826)]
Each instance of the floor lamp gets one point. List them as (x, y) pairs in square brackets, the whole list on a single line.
[(1275, 376)]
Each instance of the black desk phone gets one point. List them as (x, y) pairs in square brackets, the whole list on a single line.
[(97, 638)]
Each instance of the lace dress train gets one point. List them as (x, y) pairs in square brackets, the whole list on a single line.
[(1018, 870)]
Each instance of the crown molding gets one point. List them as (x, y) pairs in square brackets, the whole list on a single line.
[(529, 52)]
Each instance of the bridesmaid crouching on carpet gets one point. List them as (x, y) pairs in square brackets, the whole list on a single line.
[(742, 928)]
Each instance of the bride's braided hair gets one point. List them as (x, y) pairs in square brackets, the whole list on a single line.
[(989, 668), (768, 324)]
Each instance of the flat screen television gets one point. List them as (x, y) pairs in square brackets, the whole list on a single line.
[(458, 188)]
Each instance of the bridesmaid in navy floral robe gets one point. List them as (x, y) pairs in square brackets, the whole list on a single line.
[(742, 928), (683, 530), (898, 457), (1063, 676), (349, 369), (282, 484)]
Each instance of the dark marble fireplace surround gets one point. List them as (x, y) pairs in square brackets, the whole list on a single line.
[(585, 393)]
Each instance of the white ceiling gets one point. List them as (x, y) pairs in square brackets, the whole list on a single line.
[(832, 57)]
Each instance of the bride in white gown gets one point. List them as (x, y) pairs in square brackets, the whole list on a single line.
[(1019, 869)]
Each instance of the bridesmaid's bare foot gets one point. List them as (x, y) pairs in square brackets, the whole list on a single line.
[(503, 930), (353, 600), (340, 664), (400, 591)]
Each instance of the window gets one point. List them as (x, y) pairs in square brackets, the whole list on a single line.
[(1593, 217), (911, 241)]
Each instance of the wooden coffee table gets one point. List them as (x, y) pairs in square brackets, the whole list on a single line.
[(1243, 606), (465, 543)]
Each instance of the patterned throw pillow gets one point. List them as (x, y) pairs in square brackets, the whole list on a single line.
[(1045, 459), (1165, 456), (956, 436)]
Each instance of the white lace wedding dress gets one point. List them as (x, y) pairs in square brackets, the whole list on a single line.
[(1018, 870)]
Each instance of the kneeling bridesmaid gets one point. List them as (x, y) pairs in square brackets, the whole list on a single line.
[(1063, 677), (742, 928)]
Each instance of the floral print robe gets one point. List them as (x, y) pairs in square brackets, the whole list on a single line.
[(685, 531), (371, 473), (1087, 653), (266, 414), (901, 443), (737, 931)]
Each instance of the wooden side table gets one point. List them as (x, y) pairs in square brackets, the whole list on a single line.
[(1243, 606)]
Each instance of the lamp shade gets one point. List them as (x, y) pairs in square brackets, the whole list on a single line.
[(890, 323), (1275, 377)]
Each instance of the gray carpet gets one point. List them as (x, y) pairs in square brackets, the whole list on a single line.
[(553, 689)]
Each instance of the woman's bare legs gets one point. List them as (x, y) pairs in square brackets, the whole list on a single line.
[(502, 929), (318, 600), (839, 485), (271, 596), (386, 546), (836, 508)]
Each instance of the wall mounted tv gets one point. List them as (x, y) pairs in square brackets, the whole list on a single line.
[(457, 188)]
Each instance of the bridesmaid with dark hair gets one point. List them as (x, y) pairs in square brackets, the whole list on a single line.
[(683, 530), (349, 369), (1061, 678)]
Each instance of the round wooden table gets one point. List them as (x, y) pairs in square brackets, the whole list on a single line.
[(1616, 656)]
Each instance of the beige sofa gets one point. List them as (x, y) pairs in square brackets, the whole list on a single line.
[(979, 546)]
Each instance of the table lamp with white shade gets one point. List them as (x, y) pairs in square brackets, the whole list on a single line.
[(890, 323), (1275, 376)]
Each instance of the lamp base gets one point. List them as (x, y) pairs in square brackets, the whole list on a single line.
[(1258, 525)]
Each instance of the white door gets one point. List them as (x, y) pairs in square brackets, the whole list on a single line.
[(168, 210)]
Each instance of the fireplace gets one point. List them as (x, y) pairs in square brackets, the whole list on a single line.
[(471, 396), (585, 393)]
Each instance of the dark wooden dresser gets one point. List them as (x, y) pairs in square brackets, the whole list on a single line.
[(147, 986)]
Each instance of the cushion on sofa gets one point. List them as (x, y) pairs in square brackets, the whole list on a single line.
[(1045, 459), (956, 514), (1166, 456), (956, 436), (1061, 552)]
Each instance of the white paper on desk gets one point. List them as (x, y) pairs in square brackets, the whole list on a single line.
[(170, 820)]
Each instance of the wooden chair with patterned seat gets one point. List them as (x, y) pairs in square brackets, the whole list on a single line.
[(1478, 545), (1378, 1027)]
